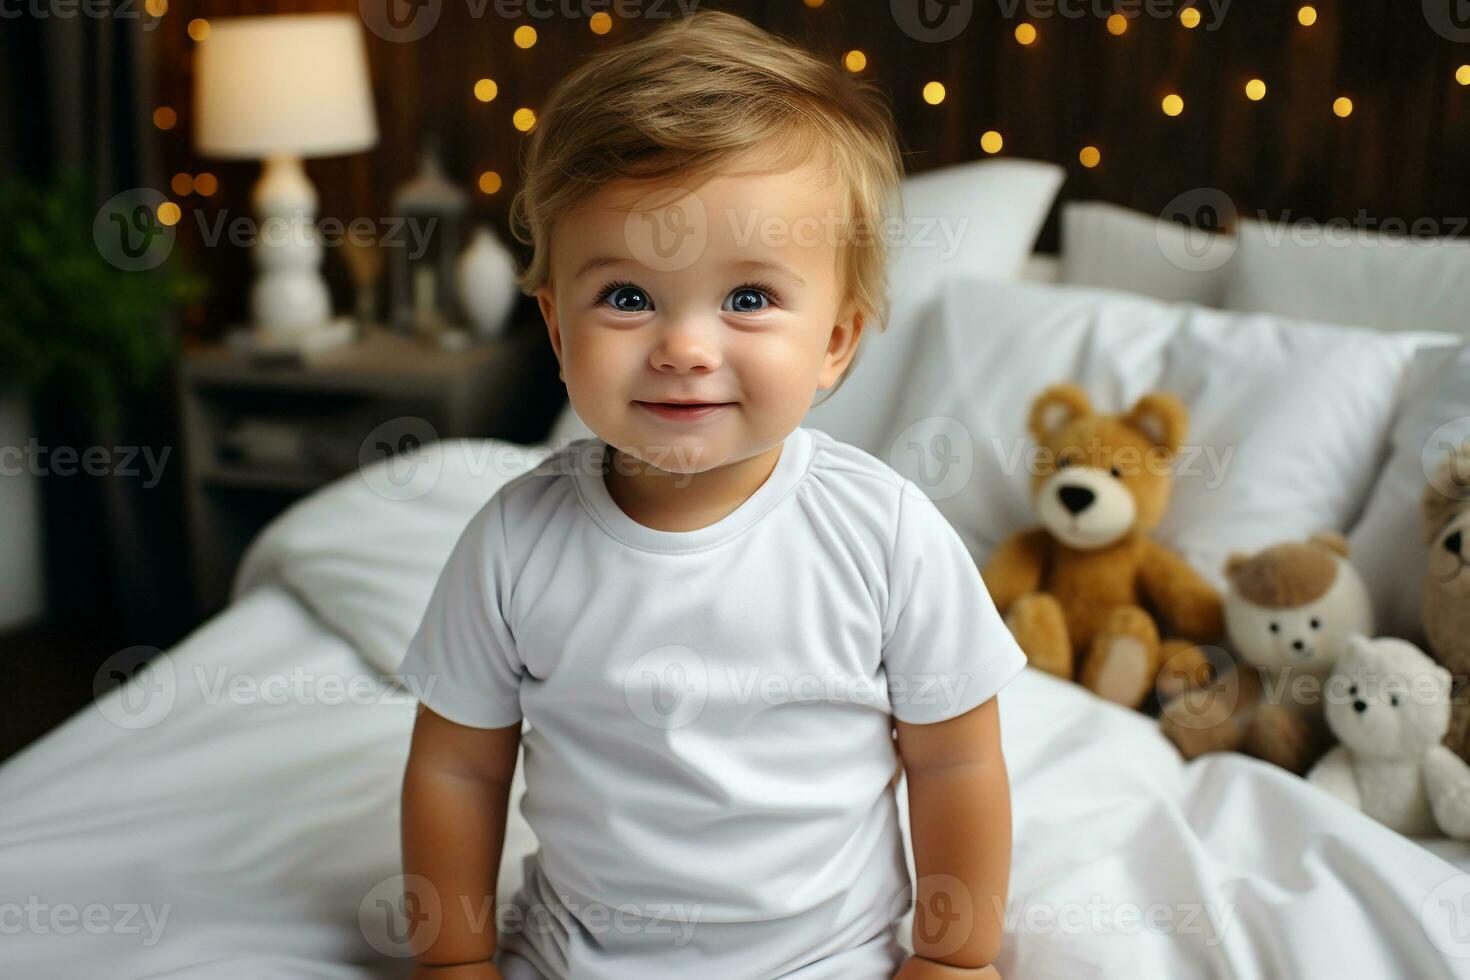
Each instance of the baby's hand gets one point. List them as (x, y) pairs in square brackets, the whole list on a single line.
[(469, 971), (918, 968)]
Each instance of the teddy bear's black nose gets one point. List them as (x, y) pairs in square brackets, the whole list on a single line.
[(1298, 645), (1076, 499), (1360, 706), (1452, 543)]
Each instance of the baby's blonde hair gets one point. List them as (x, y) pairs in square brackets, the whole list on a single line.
[(690, 98)]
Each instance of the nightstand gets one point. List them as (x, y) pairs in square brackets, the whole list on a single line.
[(259, 435)]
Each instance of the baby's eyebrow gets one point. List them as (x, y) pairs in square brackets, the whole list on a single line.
[(598, 261), (759, 265), (752, 265)]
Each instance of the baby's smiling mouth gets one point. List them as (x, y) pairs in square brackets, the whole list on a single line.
[(683, 411)]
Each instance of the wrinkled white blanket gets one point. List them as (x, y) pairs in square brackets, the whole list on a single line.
[(233, 814)]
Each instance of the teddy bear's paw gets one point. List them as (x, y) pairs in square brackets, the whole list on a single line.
[(1122, 669), (1447, 781)]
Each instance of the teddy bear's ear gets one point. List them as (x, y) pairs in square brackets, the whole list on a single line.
[(1235, 563), (1447, 492), (1332, 541), (1055, 407), (1162, 418)]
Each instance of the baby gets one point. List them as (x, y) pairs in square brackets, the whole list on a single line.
[(722, 632)]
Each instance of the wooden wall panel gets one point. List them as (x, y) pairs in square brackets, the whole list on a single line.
[(1404, 153)]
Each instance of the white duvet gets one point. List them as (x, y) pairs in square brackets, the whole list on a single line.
[(248, 830)]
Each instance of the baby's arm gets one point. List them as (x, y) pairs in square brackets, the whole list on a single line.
[(960, 826), (456, 792)]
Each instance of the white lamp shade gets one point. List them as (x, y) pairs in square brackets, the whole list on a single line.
[(287, 84)]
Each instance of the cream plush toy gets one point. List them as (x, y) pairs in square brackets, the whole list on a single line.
[(1289, 612), (1389, 705)]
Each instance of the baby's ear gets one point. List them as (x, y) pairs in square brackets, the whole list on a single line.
[(1162, 418), (1055, 407)]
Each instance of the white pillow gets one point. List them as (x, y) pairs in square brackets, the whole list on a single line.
[(1388, 543), (364, 552), (973, 220), (1342, 275), (1288, 423), (1118, 248)]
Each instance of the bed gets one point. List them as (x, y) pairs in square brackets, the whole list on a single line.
[(231, 812)]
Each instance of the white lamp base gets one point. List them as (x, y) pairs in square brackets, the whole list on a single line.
[(289, 296)]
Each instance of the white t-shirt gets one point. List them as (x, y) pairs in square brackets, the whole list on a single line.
[(709, 748)]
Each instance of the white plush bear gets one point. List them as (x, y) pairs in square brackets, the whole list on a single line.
[(1388, 704)]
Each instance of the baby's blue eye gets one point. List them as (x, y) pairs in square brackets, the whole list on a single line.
[(747, 299), (627, 298)]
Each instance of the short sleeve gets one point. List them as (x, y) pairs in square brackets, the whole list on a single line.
[(946, 648), (462, 661)]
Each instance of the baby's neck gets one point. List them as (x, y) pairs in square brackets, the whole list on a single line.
[(668, 501)]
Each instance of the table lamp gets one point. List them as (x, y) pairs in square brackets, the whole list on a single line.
[(280, 88)]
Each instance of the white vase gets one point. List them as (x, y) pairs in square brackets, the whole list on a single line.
[(485, 278), (20, 517)]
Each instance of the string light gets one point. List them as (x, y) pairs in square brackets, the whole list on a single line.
[(1307, 16), (934, 93), (156, 8), (205, 184), (1189, 17), (600, 22), (1462, 74), (855, 61), (486, 90), (165, 118), (814, 4), (1255, 90), (1343, 107), (489, 182), (1090, 157), (1117, 25), (1026, 33), (991, 141), (525, 36), (1173, 104), (181, 184), (169, 214), (199, 28), (524, 119)]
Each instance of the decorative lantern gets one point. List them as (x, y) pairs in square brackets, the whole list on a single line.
[(422, 263)]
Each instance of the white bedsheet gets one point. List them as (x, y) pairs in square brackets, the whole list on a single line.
[(259, 828)]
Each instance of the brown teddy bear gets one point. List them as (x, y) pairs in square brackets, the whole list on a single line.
[(1446, 512), (1289, 612), (1081, 591)]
